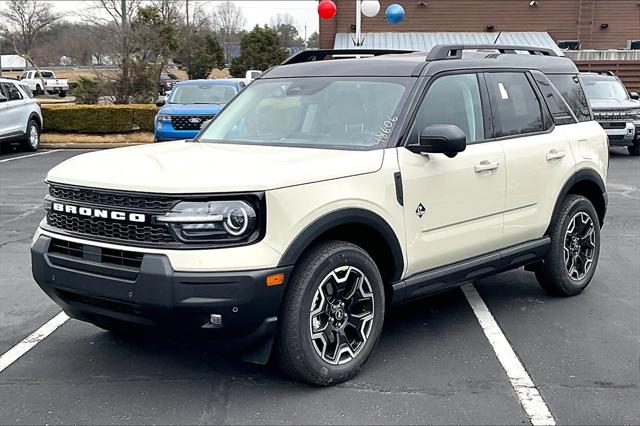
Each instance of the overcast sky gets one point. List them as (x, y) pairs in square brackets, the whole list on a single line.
[(256, 12)]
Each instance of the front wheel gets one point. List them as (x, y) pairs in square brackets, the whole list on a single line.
[(575, 248), (332, 314), (32, 138)]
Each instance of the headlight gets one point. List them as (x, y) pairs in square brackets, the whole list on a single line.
[(213, 221), (163, 118), (634, 114)]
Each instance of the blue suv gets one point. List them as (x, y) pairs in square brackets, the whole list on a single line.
[(190, 104)]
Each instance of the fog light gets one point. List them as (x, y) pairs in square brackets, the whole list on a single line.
[(215, 319)]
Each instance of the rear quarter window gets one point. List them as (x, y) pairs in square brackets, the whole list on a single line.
[(571, 90)]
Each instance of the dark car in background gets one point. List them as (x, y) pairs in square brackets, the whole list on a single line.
[(167, 81), (617, 110)]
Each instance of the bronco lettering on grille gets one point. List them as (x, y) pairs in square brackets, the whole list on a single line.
[(99, 213)]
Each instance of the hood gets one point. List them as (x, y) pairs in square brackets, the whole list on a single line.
[(191, 109), (193, 167), (613, 104)]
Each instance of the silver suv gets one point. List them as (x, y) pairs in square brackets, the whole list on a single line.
[(20, 115), (617, 111)]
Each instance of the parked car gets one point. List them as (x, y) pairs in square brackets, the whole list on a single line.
[(45, 82), (617, 111), (191, 104), (167, 81), (251, 75), (20, 115), (328, 191)]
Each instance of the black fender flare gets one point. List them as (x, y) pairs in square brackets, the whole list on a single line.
[(36, 117), (583, 175), (342, 217)]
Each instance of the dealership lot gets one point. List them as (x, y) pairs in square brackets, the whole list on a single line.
[(433, 363)]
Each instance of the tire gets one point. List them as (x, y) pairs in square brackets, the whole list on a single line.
[(39, 91), (575, 248), (634, 150), (62, 93), (31, 141), (317, 280)]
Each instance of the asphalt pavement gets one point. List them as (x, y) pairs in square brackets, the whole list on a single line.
[(433, 364)]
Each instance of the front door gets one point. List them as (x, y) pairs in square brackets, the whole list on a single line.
[(453, 206)]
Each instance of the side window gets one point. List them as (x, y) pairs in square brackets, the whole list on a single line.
[(571, 90), (514, 104), (452, 99), (560, 111), (12, 92)]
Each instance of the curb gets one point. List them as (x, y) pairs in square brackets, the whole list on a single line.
[(89, 145)]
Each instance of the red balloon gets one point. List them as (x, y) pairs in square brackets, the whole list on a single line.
[(327, 9)]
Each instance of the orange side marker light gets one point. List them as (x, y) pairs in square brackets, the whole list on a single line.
[(275, 279)]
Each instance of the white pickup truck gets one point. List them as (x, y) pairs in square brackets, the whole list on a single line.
[(45, 82)]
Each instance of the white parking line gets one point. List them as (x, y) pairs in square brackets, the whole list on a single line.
[(33, 339), (30, 155), (528, 394)]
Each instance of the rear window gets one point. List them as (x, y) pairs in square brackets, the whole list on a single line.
[(46, 74), (569, 87)]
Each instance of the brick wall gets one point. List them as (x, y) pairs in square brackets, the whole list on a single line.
[(563, 19)]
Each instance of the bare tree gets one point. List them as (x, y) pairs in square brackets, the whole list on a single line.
[(227, 19), (23, 23), (282, 19)]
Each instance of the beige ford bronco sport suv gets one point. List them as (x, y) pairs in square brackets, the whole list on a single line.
[(329, 191)]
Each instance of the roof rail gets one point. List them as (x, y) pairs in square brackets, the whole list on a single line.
[(319, 55), (454, 51)]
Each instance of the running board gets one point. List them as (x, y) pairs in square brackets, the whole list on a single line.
[(457, 274)]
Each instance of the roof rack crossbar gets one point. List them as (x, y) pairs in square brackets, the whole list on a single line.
[(319, 55), (454, 51)]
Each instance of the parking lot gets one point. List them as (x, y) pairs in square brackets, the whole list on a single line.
[(433, 364)]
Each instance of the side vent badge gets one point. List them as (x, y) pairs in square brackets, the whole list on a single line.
[(420, 211)]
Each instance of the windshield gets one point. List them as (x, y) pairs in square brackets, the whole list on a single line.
[(202, 94), (604, 89), (346, 113)]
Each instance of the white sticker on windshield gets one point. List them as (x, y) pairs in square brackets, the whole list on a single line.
[(503, 92)]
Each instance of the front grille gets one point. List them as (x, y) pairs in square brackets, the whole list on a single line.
[(187, 122), (111, 199), (614, 125), (616, 137), (103, 255), (612, 116), (155, 234), (109, 304)]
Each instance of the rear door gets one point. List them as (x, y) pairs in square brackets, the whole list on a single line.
[(453, 207), (12, 111), (538, 154)]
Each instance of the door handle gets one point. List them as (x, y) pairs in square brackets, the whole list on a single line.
[(554, 154), (485, 166)]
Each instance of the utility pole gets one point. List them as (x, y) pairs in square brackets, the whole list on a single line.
[(125, 53), (187, 4)]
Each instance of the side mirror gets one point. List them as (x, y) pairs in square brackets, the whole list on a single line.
[(3, 98), (441, 138), (161, 102), (634, 95)]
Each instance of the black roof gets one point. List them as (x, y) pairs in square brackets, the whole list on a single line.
[(413, 64)]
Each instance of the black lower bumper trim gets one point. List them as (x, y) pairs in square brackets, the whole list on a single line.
[(156, 295)]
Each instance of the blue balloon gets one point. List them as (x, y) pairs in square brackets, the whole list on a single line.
[(394, 14)]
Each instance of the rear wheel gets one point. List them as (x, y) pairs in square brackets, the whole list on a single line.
[(62, 93), (575, 247), (31, 141), (332, 314), (635, 148)]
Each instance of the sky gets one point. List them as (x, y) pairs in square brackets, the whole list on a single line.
[(256, 12)]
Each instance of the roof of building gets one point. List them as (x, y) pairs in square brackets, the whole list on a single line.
[(425, 41)]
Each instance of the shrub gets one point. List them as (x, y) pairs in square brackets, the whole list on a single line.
[(98, 118), (87, 90)]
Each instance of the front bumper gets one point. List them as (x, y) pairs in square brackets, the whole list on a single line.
[(168, 133), (153, 294), (620, 136)]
